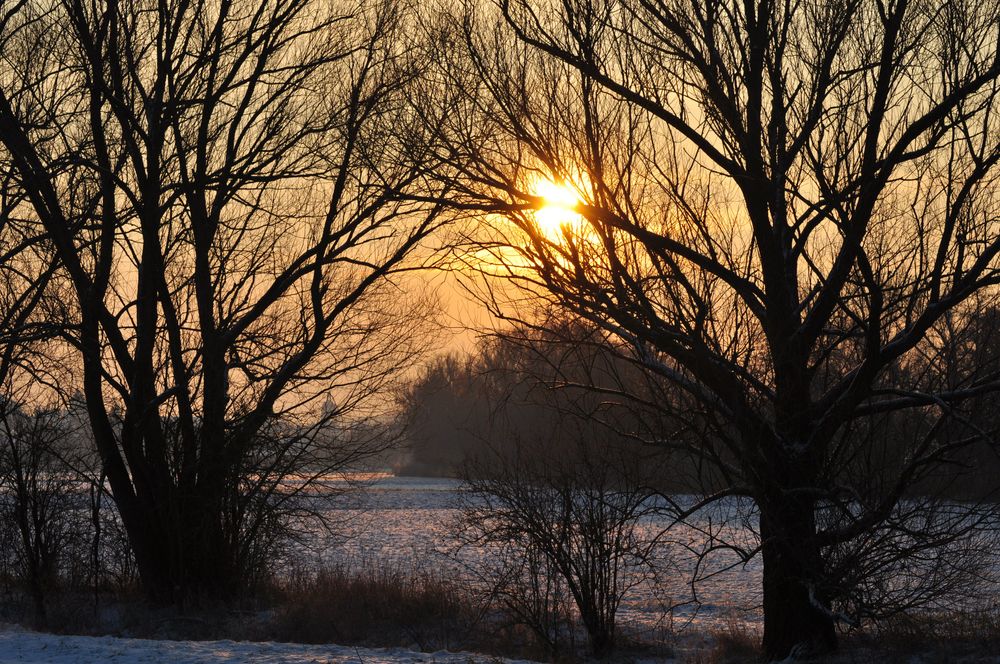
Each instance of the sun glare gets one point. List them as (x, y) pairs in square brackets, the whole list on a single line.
[(557, 211)]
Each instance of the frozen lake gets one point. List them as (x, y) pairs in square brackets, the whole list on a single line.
[(411, 521)]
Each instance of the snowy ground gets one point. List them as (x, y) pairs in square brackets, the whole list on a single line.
[(409, 520), (22, 647)]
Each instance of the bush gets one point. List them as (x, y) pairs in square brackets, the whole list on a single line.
[(559, 523)]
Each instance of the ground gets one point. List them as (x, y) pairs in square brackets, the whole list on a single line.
[(18, 646)]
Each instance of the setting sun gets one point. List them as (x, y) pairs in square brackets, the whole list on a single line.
[(558, 210)]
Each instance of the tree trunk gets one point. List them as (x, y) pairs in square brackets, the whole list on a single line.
[(40, 619), (797, 620), (600, 634), (209, 563), (150, 546), (181, 561)]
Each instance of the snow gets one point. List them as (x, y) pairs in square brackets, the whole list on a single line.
[(23, 647), (409, 520)]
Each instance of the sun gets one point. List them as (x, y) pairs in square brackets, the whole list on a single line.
[(558, 210)]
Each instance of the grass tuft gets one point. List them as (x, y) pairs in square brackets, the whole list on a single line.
[(376, 604)]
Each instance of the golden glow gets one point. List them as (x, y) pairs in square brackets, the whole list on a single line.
[(557, 214)]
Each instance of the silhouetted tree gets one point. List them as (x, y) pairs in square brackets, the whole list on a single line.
[(219, 183), (560, 516), (781, 207), (446, 412), (554, 497), (40, 496)]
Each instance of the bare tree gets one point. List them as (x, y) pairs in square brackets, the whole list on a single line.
[(559, 516), (36, 491), (39, 493), (781, 208), (555, 502), (220, 185)]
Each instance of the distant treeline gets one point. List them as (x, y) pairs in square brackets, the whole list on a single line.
[(530, 387)]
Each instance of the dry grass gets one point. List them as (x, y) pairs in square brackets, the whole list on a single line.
[(376, 604), (368, 603), (926, 638), (932, 638), (735, 643)]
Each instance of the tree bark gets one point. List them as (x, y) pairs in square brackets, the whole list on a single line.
[(797, 621)]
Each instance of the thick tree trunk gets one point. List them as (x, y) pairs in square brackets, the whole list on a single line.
[(182, 561), (600, 633), (151, 549), (194, 573), (211, 572), (797, 621)]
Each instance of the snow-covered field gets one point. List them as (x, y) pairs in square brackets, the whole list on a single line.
[(410, 520), (22, 647)]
